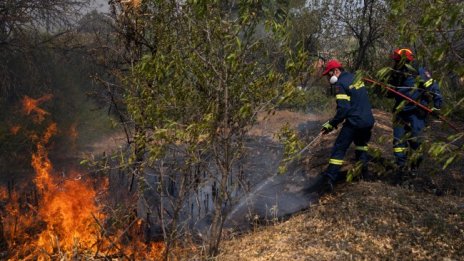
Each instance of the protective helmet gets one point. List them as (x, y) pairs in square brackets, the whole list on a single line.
[(400, 53), (331, 64)]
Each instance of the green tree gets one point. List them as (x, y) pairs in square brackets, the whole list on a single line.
[(436, 39), (200, 73), (353, 30)]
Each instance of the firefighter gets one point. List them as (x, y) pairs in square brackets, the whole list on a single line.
[(354, 111), (409, 120)]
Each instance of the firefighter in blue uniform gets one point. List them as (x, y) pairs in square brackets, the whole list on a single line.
[(354, 111), (409, 120)]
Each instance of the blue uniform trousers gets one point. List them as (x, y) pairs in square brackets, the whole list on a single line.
[(407, 127), (347, 135)]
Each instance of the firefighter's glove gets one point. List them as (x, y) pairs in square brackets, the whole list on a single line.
[(435, 112), (326, 128)]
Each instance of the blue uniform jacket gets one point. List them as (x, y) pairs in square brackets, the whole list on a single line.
[(419, 87), (353, 104)]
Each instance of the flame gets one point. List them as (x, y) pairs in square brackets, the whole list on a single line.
[(32, 105), (40, 161), (62, 220), (69, 214), (68, 209)]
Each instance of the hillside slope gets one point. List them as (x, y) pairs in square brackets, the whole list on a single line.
[(363, 220), (367, 220)]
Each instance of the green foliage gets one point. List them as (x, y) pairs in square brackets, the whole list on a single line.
[(292, 145), (446, 152), (436, 36), (354, 172), (206, 81), (201, 72)]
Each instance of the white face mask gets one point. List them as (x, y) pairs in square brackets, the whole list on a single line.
[(333, 79)]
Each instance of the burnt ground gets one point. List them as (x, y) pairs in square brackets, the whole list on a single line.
[(420, 219)]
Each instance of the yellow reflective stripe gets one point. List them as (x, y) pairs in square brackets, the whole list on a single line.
[(336, 161), (342, 97), (399, 150), (362, 148), (428, 83), (357, 85)]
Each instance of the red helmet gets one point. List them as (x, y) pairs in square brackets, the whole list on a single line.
[(331, 64), (400, 53)]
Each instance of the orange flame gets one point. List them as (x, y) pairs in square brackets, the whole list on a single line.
[(64, 213), (68, 210), (40, 161), (32, 105)]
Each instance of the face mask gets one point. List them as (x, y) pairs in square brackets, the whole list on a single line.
[(333, 79)]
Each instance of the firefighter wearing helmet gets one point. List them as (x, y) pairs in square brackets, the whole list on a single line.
[(354, 111), (409, 120)]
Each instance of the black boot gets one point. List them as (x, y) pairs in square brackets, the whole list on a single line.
[(399, 176), (366, 175), (321, 184)]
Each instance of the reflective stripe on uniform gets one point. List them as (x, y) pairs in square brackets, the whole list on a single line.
[(336, 161), (399, 150), (357, 85), (342, 97), (361, 148), (428, 83)]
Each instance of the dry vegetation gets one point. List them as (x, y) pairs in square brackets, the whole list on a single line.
[(361, 220), (366, 220)]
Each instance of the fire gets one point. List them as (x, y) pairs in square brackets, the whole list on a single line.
[(40, 162), (61, 219), (32, 105), (68, 209), (68, 214)]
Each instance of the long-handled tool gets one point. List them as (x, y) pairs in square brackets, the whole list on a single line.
[(390, 89), (316, 139)]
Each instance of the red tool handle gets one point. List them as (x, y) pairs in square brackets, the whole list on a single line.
[(390, 89)]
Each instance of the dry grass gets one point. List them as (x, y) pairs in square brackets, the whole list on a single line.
[(364, 220), (361, 221)]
